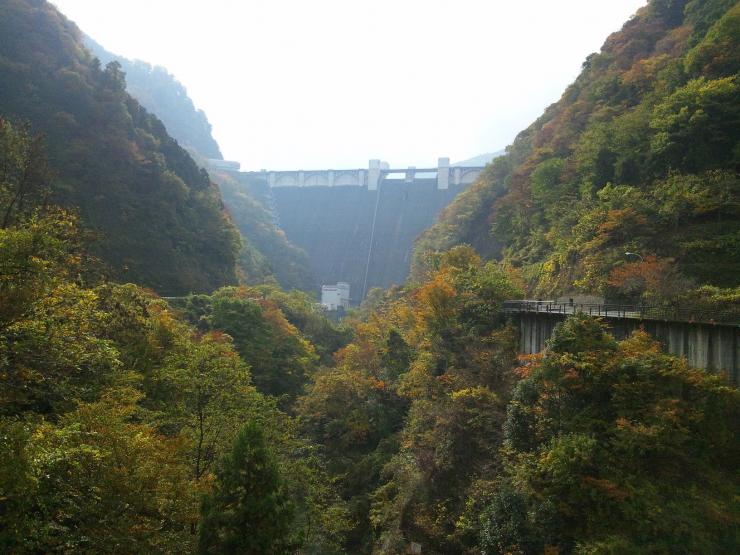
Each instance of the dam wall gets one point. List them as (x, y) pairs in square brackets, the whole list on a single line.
[(348, 230), (358, 226)]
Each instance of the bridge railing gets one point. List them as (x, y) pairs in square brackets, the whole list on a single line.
[(633, 311)]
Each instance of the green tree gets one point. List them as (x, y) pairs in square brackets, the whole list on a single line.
[(203, 392), (93, 482), (545, 182), (280, 359), (247, 513), (614, 447), (716, 55), (52, 352), (24, 173), (696, 127)]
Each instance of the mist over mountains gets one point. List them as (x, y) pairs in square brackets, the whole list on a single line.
[(481, 159), (163, 95), (160, 218)]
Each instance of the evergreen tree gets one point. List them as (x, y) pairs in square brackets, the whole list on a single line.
[(247, 512)]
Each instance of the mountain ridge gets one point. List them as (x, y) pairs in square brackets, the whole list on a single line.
[(159, 218), (640, 154), (162, 94), (265, 253)]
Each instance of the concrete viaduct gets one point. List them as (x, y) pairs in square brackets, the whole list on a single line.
[(707, 341)]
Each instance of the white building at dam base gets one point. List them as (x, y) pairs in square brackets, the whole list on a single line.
[(335, 296)]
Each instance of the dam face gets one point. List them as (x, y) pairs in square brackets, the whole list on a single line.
[(360, 233), (335, 227)]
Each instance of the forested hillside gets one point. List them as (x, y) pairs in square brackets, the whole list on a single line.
[(437, 436), (240, 419), (160, 220), (245, 422), (640, 155), (164, 96), (267, 253), (116, 414)]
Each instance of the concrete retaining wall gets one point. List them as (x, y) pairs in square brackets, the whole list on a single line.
[(713, 347)]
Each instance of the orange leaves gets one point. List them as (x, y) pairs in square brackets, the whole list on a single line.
[(656, 276), (362, 353), (377, 384), (647, 270), (436, 302), (643, 73), (527, 363), (620, 222), (217, 336), (437, 295)]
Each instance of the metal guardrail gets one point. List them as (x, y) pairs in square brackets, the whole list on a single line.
[(632, 311)]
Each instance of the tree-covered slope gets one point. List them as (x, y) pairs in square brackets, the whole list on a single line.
[(266, 252), (163, 95), (416, 425), (160, 220), (640, 155)]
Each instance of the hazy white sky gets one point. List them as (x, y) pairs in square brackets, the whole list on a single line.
[(299, 84)]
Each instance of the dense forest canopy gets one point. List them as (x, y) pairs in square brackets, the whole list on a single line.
[(116, 413), (439, 437), (160, 219), (641, 154)]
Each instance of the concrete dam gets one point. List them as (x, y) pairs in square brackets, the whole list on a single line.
[(358, 226)]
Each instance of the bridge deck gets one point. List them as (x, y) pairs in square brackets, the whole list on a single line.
[(625, 311)]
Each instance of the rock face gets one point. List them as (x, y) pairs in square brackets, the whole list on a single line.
[(348, 231)]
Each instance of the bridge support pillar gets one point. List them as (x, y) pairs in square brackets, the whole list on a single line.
[(443, 173), (711, 347)]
